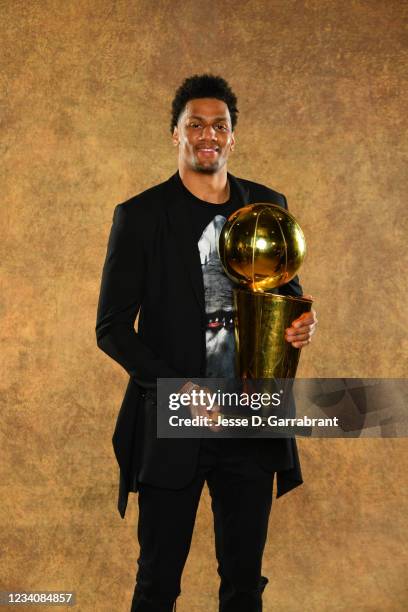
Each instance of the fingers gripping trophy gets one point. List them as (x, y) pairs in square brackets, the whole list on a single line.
[(262, 247)]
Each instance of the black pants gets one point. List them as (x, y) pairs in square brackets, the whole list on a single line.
[(241, 494)]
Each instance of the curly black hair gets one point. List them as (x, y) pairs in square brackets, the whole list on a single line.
[(203, 86)]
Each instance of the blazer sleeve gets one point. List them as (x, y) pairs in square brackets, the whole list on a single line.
[(293, 287), (121, 294)]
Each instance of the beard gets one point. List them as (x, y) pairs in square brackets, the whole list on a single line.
[(206, 169), (210, 168)]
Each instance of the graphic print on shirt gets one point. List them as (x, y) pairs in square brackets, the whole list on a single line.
[(220, 341)]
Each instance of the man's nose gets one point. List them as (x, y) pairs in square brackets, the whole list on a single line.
[(208, 132)]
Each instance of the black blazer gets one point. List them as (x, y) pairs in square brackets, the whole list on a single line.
[(153, 264)]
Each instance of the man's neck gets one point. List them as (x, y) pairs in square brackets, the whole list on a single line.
[(213, 188)]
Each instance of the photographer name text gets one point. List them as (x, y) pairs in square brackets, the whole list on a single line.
[(253, 421)]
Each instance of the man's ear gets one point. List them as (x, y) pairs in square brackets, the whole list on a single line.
[(175, 137), (232, 143)]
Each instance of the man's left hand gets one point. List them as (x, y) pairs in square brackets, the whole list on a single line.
[(302, 329)]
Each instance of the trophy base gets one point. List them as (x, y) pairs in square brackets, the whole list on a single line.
[(261, 320)]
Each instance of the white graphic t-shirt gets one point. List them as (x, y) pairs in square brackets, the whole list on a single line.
[(208, 220), (220, 340)]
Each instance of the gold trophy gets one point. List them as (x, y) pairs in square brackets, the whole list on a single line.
[(262, 247)]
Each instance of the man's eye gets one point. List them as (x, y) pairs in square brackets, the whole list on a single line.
[(194, 125), (222, 127)]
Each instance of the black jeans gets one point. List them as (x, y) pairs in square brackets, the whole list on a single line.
[(241, 494)]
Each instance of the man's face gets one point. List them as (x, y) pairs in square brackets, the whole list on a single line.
[(204, 135)]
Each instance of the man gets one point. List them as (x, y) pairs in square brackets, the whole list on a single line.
[(162, 263)]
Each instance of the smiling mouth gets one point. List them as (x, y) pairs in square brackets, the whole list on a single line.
[(207, 151)]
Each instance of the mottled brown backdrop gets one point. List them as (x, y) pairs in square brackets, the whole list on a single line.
[(86, 92)]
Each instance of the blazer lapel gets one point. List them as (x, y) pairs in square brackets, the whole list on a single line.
[(239, 190), (181, 224)]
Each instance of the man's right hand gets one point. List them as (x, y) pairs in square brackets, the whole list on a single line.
[(202, 408)]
